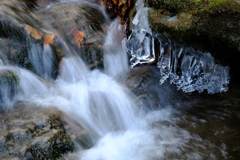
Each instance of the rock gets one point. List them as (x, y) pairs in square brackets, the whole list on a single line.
[(23, 35), (206, 25), (144, 83), (31, 37), (82, 27), (52, 148), (188, 18), (121, 8), (31, 132)]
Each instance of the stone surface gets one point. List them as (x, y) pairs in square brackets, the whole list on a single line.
[(27, 29), (144, 83), (212, 26), (121, 8), (31, 132), (20, 27), (82, 26), (217, 19)]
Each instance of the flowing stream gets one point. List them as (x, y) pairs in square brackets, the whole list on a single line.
[(99, 100)]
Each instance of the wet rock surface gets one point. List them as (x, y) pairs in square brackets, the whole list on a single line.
[(189, 19), (144, 82), (30, 132), (9, 83), (212, 120), (121, 8), (20, 28), (28, 40), (82, 26)]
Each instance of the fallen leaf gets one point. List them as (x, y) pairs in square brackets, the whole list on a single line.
[(79, 37), (33, 32), (49, 38)]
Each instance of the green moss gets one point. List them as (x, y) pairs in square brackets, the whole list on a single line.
[(212, 21), (8, 77), (58, 144), (192, 6), (55, 122), (61, 143), (171, 5)]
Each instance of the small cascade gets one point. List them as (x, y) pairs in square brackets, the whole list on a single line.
[(31, 86), (190, 70), (17, 84), (115, 59), (73, 70), (101, 109), (41, 57), (8, 88)]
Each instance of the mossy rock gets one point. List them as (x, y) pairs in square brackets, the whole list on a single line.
[(210, 26), (190, 19), (9, 83), (31, 132), (52, 147)]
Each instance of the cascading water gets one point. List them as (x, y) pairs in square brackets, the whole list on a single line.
[(118, 128), (114, 52), (41, 57)]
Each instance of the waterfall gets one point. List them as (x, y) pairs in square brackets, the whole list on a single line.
[(115, 59), (96, 99), (41, 57), (118, 128), (100, 108)]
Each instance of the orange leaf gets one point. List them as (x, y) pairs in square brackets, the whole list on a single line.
[(33, 32), (49, 38), (79, 37)]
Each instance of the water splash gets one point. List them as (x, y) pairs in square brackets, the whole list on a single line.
[(101, 108)]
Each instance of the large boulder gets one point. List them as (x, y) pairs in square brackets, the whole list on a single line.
[(206, 25), (219, 20), (30, 132)]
